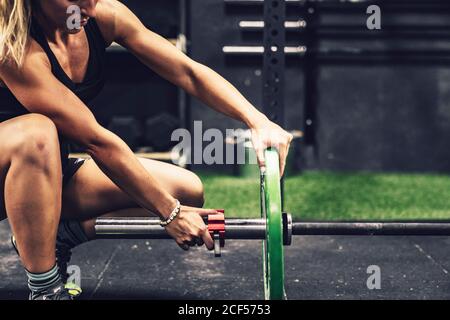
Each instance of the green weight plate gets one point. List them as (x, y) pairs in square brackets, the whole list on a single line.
[(273, 255)]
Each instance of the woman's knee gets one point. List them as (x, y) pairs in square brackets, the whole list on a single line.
[(34, 139), (193, 191), (184, 185)]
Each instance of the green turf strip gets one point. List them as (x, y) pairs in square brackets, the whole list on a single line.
[(325, 195)]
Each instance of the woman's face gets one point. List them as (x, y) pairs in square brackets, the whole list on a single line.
[(68, 15)]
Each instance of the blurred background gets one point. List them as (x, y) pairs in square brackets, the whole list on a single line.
[(373, 105)]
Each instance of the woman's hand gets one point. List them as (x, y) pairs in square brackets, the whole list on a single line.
[(188, 228), (267, 134)]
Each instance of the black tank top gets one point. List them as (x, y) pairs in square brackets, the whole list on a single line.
[(88, 89)]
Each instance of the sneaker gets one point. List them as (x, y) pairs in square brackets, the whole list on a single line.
[(57, 292), (63, 255)]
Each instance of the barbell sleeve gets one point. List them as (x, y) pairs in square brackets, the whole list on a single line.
[(259, 50), (259, 25)]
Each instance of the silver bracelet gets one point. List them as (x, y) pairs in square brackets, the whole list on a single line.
[(172, 216)]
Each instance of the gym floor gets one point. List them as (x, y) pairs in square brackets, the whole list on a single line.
[(317, 267)]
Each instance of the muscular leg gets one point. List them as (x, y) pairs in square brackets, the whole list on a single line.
[(90, 193), (30, 178)]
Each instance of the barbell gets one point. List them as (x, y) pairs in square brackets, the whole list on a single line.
[(275, 228)]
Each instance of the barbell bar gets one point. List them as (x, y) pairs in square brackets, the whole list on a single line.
[(274, 228), (255, 229), (149, 228)]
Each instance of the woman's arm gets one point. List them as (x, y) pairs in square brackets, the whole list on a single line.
[(172, 64), (198, 80), (39, 91)]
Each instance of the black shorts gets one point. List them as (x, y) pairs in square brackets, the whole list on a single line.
[(70, 168)]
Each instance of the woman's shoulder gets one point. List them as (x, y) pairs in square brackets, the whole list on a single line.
[(106, 18), (34, 55)]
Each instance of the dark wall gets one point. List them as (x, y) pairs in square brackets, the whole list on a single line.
[(389, 112), (383, 118), (213, 24), (381, 97), (132, 89)]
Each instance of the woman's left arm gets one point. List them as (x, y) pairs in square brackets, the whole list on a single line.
[(198, 80)]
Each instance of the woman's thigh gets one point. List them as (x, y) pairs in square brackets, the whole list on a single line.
[(90, 193), (14, 133)]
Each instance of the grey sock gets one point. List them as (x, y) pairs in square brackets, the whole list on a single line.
[(39, 282)]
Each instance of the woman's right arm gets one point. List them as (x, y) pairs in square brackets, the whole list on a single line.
[(36, 88)]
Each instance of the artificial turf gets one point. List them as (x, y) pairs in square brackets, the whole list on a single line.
[(338, 196)]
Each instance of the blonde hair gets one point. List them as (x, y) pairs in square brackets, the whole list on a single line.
[(15, 17)]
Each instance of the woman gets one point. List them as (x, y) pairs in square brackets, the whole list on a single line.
[(49, 72)]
